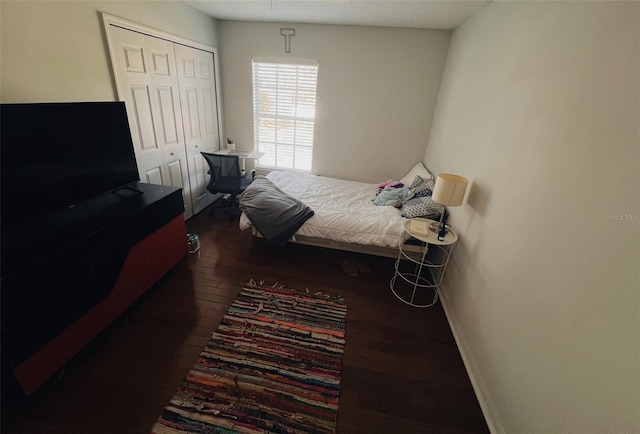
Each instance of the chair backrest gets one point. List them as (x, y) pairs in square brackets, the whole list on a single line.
[(224, 170)]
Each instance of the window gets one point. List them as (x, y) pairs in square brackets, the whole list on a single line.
[(284, 111)]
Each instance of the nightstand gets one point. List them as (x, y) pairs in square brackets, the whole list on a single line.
[(422, 261)]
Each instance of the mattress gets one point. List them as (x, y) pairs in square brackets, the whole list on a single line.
[(343, 210)]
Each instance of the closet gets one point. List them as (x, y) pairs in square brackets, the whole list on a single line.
[(169, 86)]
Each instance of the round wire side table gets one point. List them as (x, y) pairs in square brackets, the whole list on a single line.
[(422, 261)]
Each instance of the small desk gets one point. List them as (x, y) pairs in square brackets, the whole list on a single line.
[(434, 266), (243, 154)]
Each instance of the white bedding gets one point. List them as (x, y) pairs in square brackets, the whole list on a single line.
[(343, 210)]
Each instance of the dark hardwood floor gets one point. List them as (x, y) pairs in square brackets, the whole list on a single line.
[(402, 372)]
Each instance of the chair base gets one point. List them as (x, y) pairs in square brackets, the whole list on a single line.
[(230, 204)]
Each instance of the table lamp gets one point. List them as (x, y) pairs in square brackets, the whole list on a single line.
[(448, 191)]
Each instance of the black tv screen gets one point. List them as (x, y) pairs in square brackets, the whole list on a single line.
[(56, 155)]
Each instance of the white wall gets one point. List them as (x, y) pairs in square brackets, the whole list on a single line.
[(540, 109), (377, 89), (57, 51)]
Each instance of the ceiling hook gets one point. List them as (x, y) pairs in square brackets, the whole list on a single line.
[(287, 33)]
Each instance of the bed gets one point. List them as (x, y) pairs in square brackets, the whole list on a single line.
[(343, 215)]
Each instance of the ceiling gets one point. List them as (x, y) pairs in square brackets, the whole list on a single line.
[(433, 14)]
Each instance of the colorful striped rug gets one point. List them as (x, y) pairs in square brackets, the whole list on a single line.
[(272, 365)]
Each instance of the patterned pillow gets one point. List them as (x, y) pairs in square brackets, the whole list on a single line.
[(422, 187), (420, 207)]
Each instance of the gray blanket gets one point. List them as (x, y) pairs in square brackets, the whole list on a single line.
[(275, 214)]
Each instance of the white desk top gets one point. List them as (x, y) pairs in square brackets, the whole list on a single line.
[(242, 153)]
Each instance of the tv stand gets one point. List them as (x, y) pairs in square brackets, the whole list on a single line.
[(130, 187), (68, 275)]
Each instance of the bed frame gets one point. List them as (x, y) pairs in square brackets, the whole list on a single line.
[(387, 252)]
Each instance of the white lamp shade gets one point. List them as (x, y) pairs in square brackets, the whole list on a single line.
[(449, 189)]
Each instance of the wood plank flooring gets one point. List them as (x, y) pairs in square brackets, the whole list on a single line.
[(402, 372)]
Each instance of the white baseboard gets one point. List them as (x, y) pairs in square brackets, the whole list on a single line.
[(482, 393)]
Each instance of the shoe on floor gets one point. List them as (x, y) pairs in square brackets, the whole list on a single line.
[(363, 268), (350, 268)]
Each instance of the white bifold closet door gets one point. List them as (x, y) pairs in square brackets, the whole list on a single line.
[(170, 94), (199, 115)]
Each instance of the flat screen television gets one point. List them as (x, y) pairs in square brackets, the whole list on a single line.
[(57, 155)]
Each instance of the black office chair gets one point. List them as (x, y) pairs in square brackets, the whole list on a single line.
[(226, 178)]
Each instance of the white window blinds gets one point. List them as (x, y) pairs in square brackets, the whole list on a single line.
[(284, 110)]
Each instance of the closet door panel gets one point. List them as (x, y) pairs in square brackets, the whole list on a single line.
[(168, 116), (153, 176), (192, 115), (143, 120), (210, 115), (200, 173), (167, 112), (133, 58), (196, 78), (147, 69), (136, 82), (176, 173)]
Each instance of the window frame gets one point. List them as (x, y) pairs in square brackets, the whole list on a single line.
[(300, 137)]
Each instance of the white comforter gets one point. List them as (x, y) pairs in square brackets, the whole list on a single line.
[(343, 210)]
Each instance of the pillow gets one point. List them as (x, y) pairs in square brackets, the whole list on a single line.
[(420, 207), (418, 169), (422, 187)]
